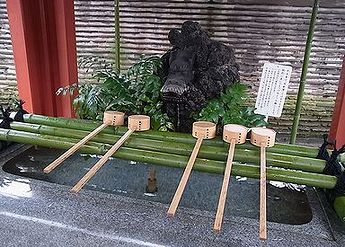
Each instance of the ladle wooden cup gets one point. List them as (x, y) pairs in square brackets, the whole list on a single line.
[(201, 130), (113, 118), (233, 134), (263, 137), (135, 123)]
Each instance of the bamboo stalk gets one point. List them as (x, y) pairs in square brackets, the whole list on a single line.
[(117, 36), (173, 160), (307, 52), (88, 125), (209, 152)]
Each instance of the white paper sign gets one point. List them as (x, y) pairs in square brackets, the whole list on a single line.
[(272, 90)]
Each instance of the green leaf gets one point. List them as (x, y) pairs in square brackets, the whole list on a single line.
[(230, 108), (135, 91)]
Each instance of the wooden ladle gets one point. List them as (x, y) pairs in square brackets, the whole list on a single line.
[(201, 130), (233, 134), (263, 137), (135, 123), (113, 118)]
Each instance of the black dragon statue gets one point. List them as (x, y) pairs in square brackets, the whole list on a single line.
[(194, 70)]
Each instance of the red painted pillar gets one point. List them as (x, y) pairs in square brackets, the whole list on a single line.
[(44, 47), (337, 131)]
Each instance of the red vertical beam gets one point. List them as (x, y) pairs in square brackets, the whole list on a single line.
[(43, 40), (65, 53), (337, 131), (26, 35)]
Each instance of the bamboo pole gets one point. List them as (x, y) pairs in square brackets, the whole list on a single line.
[(173, 160), (207, 151), (117, 36), (300, 94), (88, 125)]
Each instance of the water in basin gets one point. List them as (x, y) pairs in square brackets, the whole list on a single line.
[(284, 205)]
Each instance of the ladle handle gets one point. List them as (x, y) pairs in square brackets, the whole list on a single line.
[(222, 198), (101, 162), (263, 220), (73, 149), (178, 194)]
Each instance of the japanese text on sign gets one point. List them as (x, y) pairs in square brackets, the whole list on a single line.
[(272, 90)]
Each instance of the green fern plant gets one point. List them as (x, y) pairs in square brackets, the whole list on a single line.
[(135, 91)]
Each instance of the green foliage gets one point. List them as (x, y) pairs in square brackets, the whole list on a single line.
[(136, 91), (230, 108)]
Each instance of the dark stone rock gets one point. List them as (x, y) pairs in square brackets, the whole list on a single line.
[(195, 70)]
